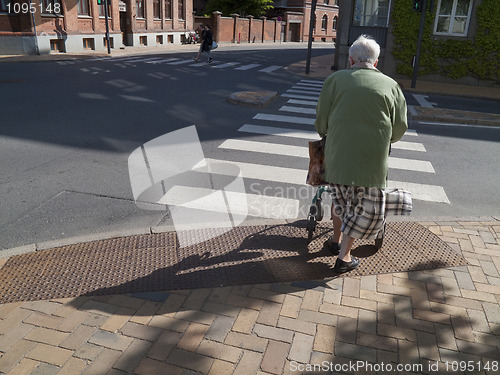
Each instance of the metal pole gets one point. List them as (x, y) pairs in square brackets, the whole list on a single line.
[(309, 42), (37, 49), (419, 45), (107, 25)]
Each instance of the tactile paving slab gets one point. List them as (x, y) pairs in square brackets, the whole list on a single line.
[(244, 255)]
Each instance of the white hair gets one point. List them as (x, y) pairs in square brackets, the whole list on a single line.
[(364, 49)]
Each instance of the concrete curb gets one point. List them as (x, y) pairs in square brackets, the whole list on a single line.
[(257, 99)]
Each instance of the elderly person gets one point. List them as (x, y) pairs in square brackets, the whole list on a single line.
[(361, 112)]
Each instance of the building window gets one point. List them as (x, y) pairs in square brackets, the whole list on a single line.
[(373, 13), (51, 7), (168, 9), (453, 17), (156, 9), (327, 2), (101, 9), (83, 7), (139, 5), (324, 22), (181, 9), (334, 23)]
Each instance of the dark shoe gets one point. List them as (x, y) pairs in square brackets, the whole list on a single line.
[(333, 247), (342, 267), (210, 61)]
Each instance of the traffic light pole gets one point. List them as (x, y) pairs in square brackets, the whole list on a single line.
[(107, 25), (416, 62), (309, 42)]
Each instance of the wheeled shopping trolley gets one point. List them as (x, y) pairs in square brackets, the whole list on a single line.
[(316, 213)]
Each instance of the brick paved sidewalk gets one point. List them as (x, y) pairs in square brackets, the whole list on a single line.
[(422, 320)]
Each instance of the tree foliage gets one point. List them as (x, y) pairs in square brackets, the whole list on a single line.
[(244, 8)]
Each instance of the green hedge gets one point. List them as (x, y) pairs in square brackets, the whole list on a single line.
[(454, 58)]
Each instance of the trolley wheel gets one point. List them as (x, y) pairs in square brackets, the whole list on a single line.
[(380, 239), (319, 210), (310, 226)]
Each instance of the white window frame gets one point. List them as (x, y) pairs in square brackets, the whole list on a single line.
[(452, 19)]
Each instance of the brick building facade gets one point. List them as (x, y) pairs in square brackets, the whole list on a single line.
[(78, 25)]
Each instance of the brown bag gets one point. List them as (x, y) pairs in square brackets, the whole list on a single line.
[(316, 173)]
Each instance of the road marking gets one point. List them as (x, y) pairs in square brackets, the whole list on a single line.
[(162, 61), (423, 192), (226, 65), (144, 60), (305, 111), (431, 193), (459, 125), (310, 81), (422, 100), (408, 146), (281, 118), (303, 152), (303, 102), (267, 172), (295, 96), (267, 148), (312, 93), (180, 62), (280, 132), (249, 204), (247, 67), (307, 89), (410, 165), (270, 69)]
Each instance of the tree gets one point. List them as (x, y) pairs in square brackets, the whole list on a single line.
[(244, 8)]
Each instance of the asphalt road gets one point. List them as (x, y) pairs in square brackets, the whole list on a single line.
[(67, 131)]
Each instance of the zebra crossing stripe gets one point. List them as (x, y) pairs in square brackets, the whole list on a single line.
[(180, 62), (296, 96), (409, 146), (281, 118), (283, 175), (144, 60), (226, 65), (431, 193), (303, 102), (267, 172), (305, 111), (307, 89), (303, 152), (311, 82), (162, 61), (267, 148), (256, 205), (280, 132), (247, 67), (270, 69), (312, 93)]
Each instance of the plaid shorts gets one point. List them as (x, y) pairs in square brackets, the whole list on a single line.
[(361, 209)]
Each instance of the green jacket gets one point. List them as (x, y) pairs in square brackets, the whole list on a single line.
[(361, 111)]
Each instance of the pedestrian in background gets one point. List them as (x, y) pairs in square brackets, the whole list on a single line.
[(206, 42), (361, 112)]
